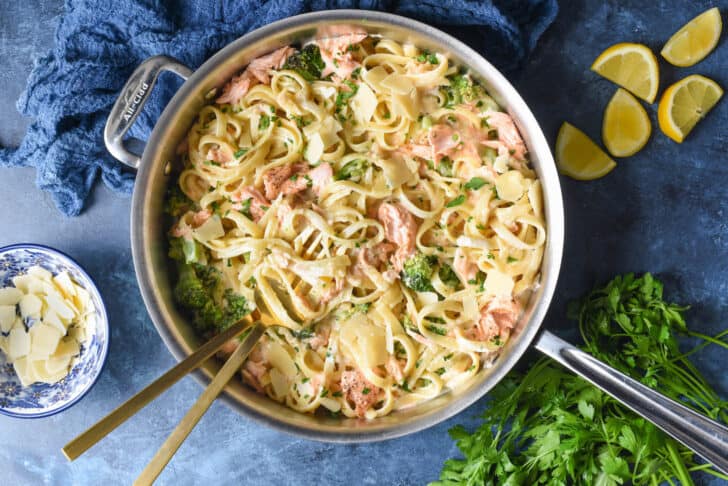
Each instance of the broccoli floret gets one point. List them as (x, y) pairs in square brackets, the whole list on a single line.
[(462, 90), (194, 292), (307, 62), (176, 202), (187, 251), (448, 276), (210, 276), (417, 272), (352, 169), (354, 309), (236, 308)]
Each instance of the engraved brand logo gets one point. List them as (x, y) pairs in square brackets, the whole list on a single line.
[(133, 103)]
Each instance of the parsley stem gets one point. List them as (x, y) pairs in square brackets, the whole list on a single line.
[(710, 339), (679, 466), (700, 346)]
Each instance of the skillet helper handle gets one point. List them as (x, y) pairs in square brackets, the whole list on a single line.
[(133, 96), (707, 438)]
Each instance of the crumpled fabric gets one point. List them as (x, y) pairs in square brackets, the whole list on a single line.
[(98, 44)]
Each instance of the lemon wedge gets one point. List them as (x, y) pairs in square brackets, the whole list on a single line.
[(633, 67), (626, 127), (577, 156), (684, 103), (694, 40)]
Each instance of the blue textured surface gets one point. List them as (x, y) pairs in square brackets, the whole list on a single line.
[(99, 42), (664, 210)]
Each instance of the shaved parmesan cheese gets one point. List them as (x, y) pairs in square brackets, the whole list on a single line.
[(314, 149), (510, 185), (44, 340), (65, 284), (365, 342), (62, 316), (30, 306), (51, 318), (67, 347), (364, 103), (398, 84), (210, 230), (279, 382), (40, 272), (21, 282), (23, 371), (498, 284), (7, 317), (396, 172), (407, 105), (18, 343), (59, 306), (57, 364), (10, 296), (281, 360)]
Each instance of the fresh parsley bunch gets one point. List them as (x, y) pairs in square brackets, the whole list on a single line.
[(549, 426)]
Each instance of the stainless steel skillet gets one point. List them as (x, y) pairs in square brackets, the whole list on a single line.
[(707, 438)]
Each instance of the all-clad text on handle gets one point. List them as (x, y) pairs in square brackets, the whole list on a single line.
[(133, 95), (705, 437)]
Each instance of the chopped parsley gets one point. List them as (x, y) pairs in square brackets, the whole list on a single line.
[(264, 122), (353, 169), (456, 202), (365, 391), (511, 259), (240, 152), (475, 183), (428, 57), (436, 329)]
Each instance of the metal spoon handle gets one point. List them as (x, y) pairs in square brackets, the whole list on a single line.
[(704, 436)]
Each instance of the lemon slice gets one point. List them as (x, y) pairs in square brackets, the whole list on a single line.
[(626, 126), (633, 67), (577, 156), (684, 103), (694, 40)]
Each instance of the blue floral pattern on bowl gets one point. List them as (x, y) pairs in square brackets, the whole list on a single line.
[(41, 399)]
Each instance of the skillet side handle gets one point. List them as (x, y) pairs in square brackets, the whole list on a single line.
[(130, 102), (707, 438)]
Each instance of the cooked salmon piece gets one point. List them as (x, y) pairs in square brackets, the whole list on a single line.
[(335, 52), (394, 368), (508, 136), (219, 155), (379, 253), (359, 391), (295, 178), (400, 228), (258, 202), (497, 318), (321, 176), (253, 372), (260, 66), (256, 72)]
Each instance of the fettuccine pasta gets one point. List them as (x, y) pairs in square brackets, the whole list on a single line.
[(374, 202)]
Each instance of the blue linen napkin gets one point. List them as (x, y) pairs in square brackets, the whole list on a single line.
[(99, 43)]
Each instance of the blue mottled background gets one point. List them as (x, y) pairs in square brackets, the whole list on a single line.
[(664, 210)]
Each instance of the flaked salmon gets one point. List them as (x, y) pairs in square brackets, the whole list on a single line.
[(256, 72), (400, 228), (359, 391)]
